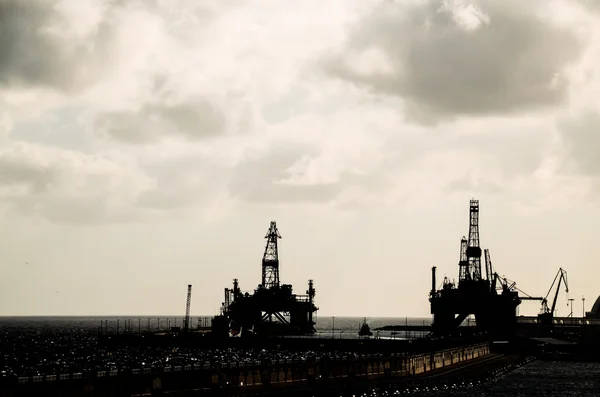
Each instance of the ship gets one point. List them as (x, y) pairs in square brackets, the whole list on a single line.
[(365, 330)]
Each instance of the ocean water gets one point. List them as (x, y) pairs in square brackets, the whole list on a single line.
[(338, 327), (539, 378)]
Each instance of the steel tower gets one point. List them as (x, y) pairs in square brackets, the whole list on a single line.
[(463, 264), (473, 249), (270, 261)]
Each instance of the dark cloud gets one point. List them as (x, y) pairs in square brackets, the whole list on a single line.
[(192, 119), (511, 64), (31, 55), (36, 50)]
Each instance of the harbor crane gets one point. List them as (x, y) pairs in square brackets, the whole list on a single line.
[(547, 316)]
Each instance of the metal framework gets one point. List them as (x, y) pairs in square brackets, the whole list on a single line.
[(463, 263), (494, 311), (273, 308), (473, 249), (488, 265), (270, 261), (186, 322)]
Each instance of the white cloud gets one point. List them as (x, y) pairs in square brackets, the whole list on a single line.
[(468, 17)]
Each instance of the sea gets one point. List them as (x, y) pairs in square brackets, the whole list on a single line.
[(327, 326), (539, 378)]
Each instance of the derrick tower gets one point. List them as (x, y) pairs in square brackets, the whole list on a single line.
[(473, 249), (270, 261)]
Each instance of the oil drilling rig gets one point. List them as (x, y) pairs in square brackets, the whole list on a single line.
[(273, 309), (491, 299)]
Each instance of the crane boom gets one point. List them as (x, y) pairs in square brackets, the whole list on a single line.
[(488, 264), (561, 276)]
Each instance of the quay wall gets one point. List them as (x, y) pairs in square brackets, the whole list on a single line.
[(237, 378)]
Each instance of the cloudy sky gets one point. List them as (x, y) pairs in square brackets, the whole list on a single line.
[(147, 144)]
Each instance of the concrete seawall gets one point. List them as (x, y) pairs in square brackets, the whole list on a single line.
[(241, 378)]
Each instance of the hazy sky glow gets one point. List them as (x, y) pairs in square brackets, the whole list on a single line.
[(147, 144)]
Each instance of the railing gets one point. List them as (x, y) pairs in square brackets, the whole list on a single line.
[(560, 320)]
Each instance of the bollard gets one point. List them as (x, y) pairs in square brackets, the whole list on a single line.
[(157, 386), (387, 371), (311, 374), (266, 379)]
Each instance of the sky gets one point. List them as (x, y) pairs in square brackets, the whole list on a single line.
[(147, 144)]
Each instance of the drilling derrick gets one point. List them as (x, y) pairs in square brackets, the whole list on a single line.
[(270, 261), (473, 249), (186, 322)]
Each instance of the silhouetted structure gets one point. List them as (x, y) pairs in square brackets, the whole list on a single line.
[(186, 321), (546, 317), (273, 308), (494, 311), (595, 312), (270, 261)]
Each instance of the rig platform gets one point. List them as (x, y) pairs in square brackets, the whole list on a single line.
[(495, 311), (273, 308)]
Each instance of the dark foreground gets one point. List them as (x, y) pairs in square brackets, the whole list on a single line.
[(339, 373)]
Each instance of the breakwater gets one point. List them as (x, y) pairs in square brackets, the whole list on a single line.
[(235, 378)]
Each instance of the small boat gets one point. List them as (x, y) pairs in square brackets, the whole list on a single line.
[(365, 330)]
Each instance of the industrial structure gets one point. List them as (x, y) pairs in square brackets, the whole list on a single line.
[(548, 313), (595, 312), (273, 308), (491, 299), (186, 321)]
